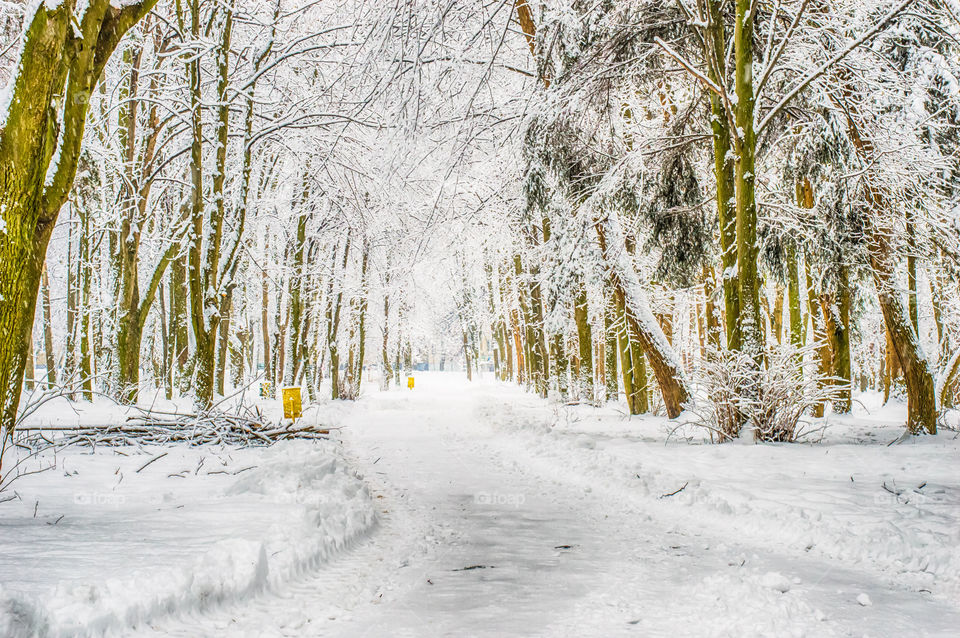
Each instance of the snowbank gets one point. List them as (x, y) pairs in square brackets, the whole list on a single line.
[(95, 545), (893, 510)]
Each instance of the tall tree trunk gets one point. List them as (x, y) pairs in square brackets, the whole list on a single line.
[(86, 275), (361, 320), (793, 296), (561, 365), (610, 349), (466, 355), (70, 349), (46, 117), (541, 358), (641, 391), (744, 179), (723, 168), (518, 346), (265, 314), (818, 324), (333, 320), (223, 348), (640, 321), (30, 367), (51, 360), (912, 302), (585, 341), (295, 301), (384, 353), (712, 314), (178, 322), (626, 361)]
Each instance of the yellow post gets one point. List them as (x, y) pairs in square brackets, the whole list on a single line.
[(292, 405), (410, 382)]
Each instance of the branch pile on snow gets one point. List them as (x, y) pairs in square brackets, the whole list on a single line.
[(213, 427)]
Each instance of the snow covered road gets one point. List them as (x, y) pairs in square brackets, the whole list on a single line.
[(481, 536)]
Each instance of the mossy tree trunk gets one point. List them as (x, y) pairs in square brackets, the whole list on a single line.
[(745, 147), (585, 344), (723, 169), (47, 115)]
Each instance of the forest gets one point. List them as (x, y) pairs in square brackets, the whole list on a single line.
[(737, 219), (751, 206)]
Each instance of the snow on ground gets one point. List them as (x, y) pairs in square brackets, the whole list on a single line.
[(95, 544), (851, 496), (499, 514)]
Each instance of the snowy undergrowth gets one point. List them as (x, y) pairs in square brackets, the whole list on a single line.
[(95, 545), (830, 499)]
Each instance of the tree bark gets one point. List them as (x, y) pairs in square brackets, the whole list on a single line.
[(640, 321), (585, 342), (59, 74), (51, 360)]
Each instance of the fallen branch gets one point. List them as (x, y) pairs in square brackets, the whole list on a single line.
[(676, 491), (153, 460)]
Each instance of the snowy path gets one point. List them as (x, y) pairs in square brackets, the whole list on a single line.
[(473, 540)]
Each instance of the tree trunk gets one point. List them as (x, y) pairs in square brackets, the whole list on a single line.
[(86, 275), (793, 296), (51, 360), (30, 367), (226, 310), (70, 347), (541, 358), (362, 321), (265, 314), (179, 329), (610, 349), (818, 324), (723, 168), (746, 224), (585, 341), (333, 320), (912, 302), (384, 353), (640, 321), (891, 366), (626, 361), (46, 116)]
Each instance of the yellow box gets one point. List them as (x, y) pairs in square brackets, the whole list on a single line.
[(410, 382), (292, 404)]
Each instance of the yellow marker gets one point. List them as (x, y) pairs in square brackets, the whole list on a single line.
[(410, 382), (265, 389), (292, 406)]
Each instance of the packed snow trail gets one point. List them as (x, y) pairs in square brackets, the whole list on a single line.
[(473, 542)]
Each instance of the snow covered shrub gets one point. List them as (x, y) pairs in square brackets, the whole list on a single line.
[(772, 404)]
